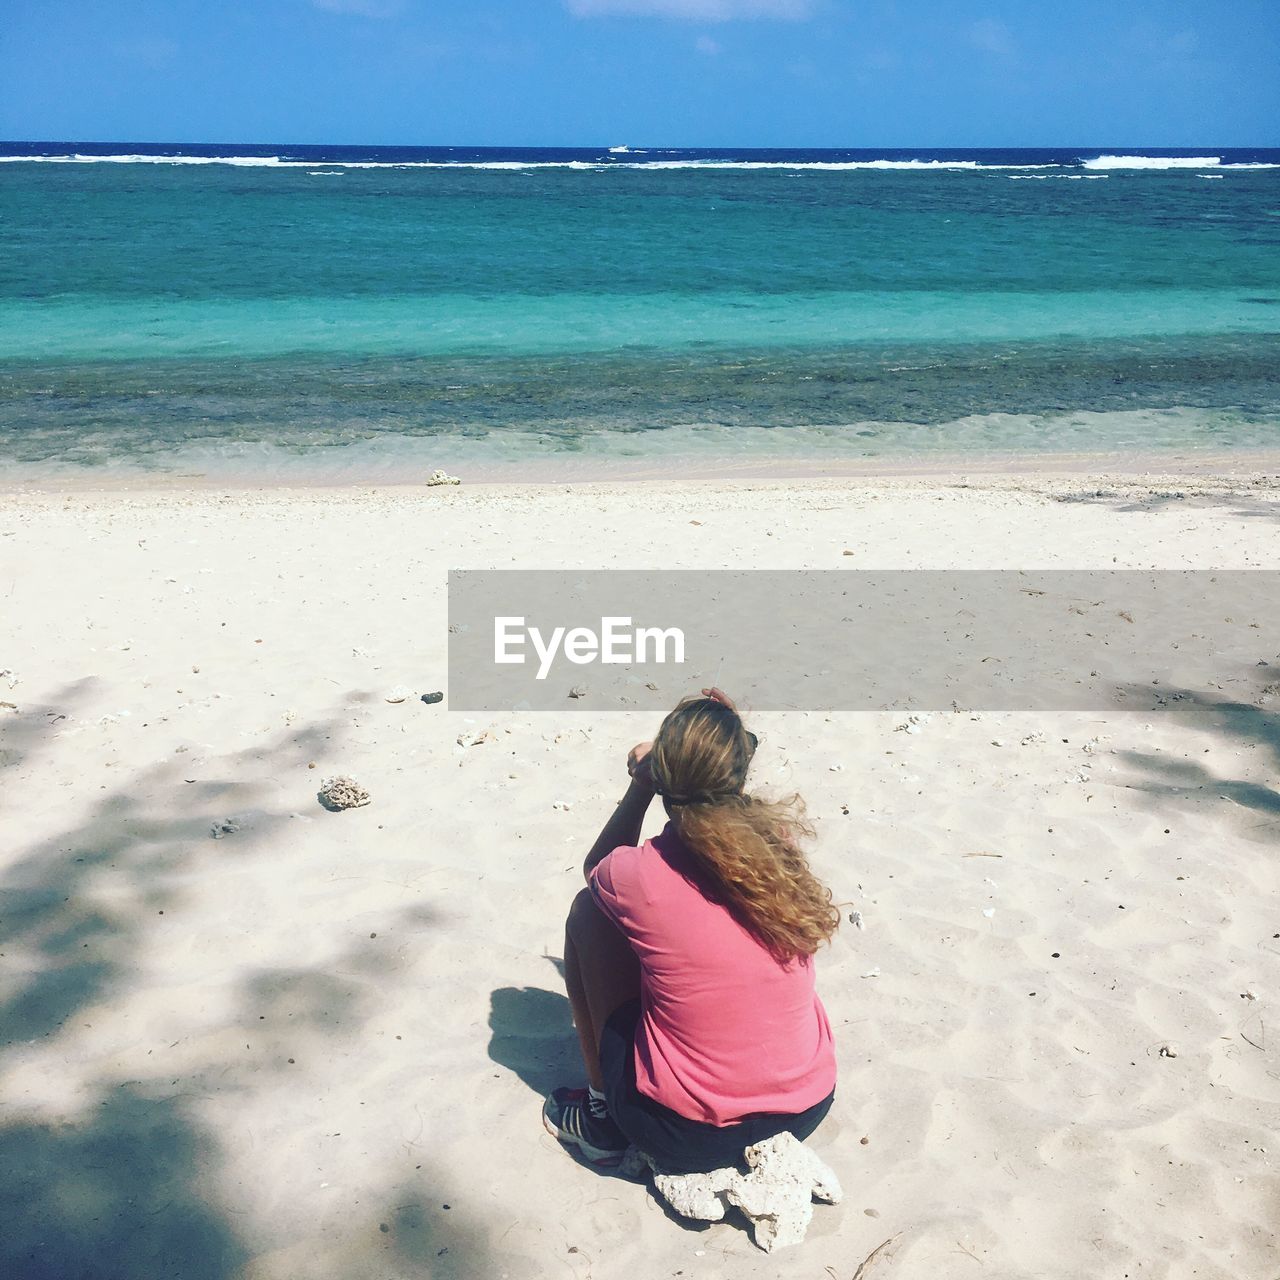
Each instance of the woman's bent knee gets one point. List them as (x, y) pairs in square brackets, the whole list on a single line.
[(584, 915), (591, 931)]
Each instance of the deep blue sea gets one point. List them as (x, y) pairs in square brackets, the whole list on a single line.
[(370, 309)]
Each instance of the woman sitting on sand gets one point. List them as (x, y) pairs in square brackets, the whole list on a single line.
[(688, 962)]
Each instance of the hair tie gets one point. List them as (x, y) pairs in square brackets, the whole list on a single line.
[(699, 797)]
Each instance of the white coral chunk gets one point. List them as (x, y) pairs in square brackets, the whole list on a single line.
[(343, 793), (776, 1195)]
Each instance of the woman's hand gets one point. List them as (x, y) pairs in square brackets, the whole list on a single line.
[(719, 695), (638, 766)]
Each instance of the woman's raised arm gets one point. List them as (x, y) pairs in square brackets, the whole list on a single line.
[(624, 826)]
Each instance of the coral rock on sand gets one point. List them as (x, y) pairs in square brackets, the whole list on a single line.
[(776, 1195), (342, 793), (442, 477)]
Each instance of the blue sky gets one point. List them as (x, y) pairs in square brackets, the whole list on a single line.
[(679, 72)]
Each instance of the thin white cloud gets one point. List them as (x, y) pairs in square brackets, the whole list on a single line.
[(693, 10), (362, 8), (992, 36), (705, 44)]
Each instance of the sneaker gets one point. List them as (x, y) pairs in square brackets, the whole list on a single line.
[(568, 1116)]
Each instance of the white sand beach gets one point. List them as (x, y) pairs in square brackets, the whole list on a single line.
[(317, 1046)]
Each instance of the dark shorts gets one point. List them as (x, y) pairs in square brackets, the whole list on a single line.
[(677, 1144)]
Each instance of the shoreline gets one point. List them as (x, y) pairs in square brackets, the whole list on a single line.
[(1220, 469)]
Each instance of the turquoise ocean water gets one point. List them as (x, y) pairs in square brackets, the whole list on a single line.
[(219, 308)]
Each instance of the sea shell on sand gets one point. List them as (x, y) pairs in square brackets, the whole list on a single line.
[(401, 693), (342, 793)]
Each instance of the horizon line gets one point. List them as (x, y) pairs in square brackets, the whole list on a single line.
[(587, 146)]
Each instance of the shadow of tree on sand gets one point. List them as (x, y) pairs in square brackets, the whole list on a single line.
[(1249, 725), (120, 1182), (1232, 502), (27, 729), (75, 901), (114, 1196)]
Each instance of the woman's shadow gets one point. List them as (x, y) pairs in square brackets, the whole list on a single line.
[(531, 1033)]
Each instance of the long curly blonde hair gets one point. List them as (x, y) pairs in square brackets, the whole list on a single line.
[(747, 846)]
